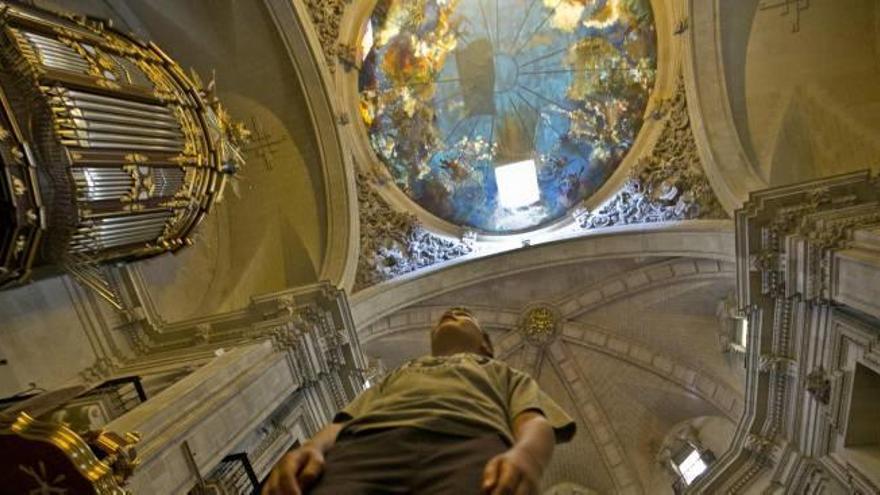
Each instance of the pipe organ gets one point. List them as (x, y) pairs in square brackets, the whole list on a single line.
[(109, 150)]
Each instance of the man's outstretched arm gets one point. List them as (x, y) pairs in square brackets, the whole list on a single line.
[(299, 469), (518, 471)]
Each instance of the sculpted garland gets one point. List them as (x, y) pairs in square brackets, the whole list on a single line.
[(667, 185)]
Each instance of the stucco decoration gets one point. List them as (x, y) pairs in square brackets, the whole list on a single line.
[(326, 16), (669, 184), (394, 243), (540, 325)]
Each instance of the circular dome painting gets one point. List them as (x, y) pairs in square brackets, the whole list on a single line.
[(501, 115)]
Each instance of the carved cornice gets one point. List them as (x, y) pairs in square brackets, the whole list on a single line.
[(394, 243), (787, 238), (667, 185), (793, 231), (307, 28), (709, 239)]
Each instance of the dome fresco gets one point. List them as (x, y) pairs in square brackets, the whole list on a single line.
[(502, 115)]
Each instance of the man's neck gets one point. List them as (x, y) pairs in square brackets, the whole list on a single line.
[(451, 351)]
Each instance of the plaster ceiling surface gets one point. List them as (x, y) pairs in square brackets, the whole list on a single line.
[(455, 91), (570, 459), (42, 336), (641, 408), (680, 320), (803, 83), (636, 353), (551, 283)]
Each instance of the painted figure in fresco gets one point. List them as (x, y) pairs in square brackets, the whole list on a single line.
[(451, 90), (455, 422)]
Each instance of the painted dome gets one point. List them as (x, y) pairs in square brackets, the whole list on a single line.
[(502, 115)]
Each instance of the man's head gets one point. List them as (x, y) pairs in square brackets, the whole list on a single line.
[(459, 331)]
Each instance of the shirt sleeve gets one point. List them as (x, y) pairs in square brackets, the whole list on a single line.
[(525, 395), (357, 407)]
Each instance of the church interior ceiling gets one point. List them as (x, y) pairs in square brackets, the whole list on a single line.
[(628, 345), (451, 91), (503, 123)]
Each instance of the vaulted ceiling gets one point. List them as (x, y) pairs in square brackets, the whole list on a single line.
[(636, 350)]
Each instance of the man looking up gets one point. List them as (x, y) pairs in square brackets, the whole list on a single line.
[(455, 422)]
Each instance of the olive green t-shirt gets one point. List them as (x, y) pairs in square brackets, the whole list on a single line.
[(462, 394)]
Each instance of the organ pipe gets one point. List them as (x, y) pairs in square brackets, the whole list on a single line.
[(109, 151)]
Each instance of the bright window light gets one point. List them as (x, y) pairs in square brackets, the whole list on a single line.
[(691, 467), (517, 184), (367, 41), (743, 332)]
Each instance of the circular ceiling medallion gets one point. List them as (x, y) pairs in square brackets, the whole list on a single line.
[(539, 324), (502, 115)]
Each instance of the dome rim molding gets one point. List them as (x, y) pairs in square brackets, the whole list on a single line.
[(726, 164), (303, 45), (709, 239), (670, 54)]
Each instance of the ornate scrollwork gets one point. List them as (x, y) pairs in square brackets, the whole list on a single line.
[(819, 385), (770, 363), (326, 16), (394, 243), (51, 458), (101, 369), (669, 184), (764, 448)]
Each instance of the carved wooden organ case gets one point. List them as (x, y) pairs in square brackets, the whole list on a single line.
[(109, 150)]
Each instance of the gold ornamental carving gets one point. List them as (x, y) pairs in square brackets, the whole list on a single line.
[(327, 16), (539, 325), (51, 458)]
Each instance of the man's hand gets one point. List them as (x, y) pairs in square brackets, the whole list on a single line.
[(511, 473), (296, 472)]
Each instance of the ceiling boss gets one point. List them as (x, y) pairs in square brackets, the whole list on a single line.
[(502, 115)]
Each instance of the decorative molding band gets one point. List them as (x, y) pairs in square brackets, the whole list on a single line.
[(708, 239), (614, 456), (395, 243), (303, 41), (653, 276), (726, 162), (668, 184)]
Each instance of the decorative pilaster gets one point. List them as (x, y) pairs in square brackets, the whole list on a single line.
[(806, 342)]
